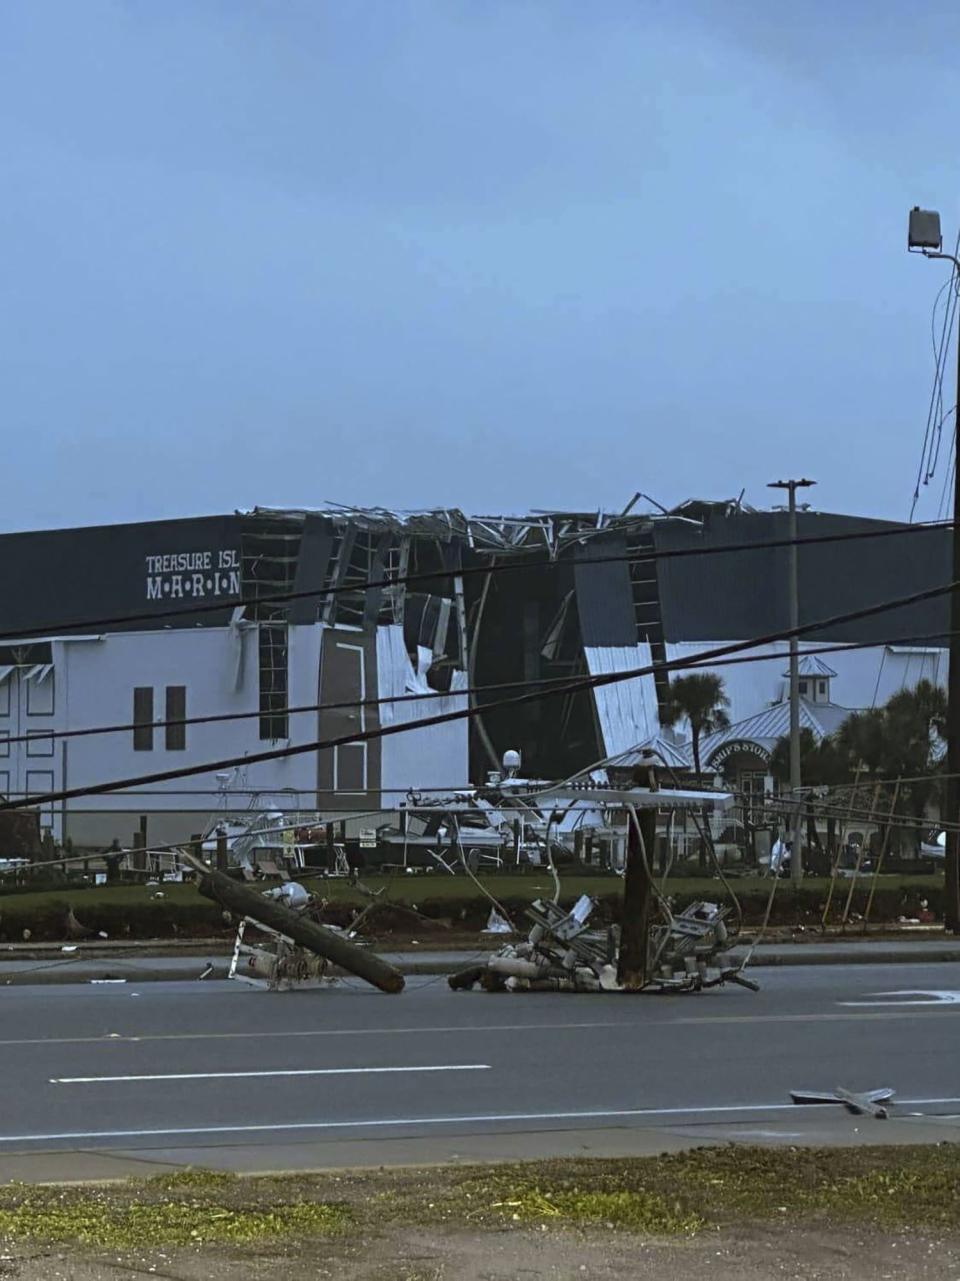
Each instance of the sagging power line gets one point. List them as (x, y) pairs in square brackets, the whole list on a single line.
[(214, 718)]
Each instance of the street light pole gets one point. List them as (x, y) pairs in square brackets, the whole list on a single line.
[(796, 855), (924, 235)]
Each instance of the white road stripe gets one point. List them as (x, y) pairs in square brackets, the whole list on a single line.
[(230, 1076), (912, 996), (405, 1122)]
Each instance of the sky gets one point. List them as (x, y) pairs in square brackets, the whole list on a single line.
[(494, 254)]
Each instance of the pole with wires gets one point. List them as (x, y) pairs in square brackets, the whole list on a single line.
[(793, 592), (638, 892), (924, 236)]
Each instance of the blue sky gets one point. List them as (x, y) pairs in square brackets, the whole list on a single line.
[(497, 254)]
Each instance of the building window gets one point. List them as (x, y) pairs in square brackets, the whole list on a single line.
[(176, 737), (143, 718), (38, 743), (274, 723), (822, 689), (803, 689), (40, 689), (39, 782)]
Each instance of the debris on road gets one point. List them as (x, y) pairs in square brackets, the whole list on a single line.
[(868, 1103), (297, 948), (562, 954)]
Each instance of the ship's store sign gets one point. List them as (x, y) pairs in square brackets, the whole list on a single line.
[(737, 746), (193, 575)]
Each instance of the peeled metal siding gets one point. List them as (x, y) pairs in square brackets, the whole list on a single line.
[(431, 757), (627, 710)]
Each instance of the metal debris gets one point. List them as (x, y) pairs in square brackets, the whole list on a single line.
[(868, 1103), (562, 954)]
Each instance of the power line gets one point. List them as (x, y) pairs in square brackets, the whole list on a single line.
[(640, 557), (933, 430), (520, 700), (299, 709), (896, 818)]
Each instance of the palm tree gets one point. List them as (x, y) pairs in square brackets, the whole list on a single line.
[(700, 700)]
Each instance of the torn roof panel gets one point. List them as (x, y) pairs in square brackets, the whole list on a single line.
[(491, 533)]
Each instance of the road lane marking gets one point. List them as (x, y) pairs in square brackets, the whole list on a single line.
[(231, 1076), (936, 1010), (913, 996), (496, 1118)]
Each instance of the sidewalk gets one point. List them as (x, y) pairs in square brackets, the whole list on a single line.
[(139, 965)]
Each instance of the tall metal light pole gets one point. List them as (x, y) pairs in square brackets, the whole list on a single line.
[(796, 854), (924, 236)]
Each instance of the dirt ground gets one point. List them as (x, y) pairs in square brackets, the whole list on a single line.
[(524, 1254), (727, 1214)]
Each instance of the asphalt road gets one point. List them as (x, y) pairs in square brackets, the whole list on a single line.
[(101, 1078)]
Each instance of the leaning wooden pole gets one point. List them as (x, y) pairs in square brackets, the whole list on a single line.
[(883, 850), (244, 901)]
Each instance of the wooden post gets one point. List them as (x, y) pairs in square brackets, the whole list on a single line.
[(856, 870), (883, 849), (839, 850), (331, 849), (221, 851), (637, 899), (112, 860)]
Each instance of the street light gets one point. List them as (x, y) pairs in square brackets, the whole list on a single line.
[(923, 236), (796, 855)]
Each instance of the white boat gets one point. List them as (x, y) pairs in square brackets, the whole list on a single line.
[(937, 850)]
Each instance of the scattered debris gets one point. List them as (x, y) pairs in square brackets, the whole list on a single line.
[(868, 1103), (562, 954), (497, 924), (297, 949)]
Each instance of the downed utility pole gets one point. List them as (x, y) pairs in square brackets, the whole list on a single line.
[(244, 901)]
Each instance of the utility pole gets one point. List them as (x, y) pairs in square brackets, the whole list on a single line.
[(796, 856), (638, 888), (924, 236)]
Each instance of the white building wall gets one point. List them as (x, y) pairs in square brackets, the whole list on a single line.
[(865, 677), (94, 680)]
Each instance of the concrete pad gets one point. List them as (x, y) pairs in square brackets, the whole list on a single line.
[(842, 1130), (76, 1167)]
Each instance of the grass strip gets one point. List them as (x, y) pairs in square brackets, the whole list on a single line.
[(677, 1194)]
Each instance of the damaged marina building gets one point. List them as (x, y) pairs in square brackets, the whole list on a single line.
[(136, 625)]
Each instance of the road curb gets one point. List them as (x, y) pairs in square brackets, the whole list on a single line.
[(190, 969)]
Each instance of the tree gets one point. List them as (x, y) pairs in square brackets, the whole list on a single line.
[(898, 740), (822, 764), (901, 740), (700, 700)]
